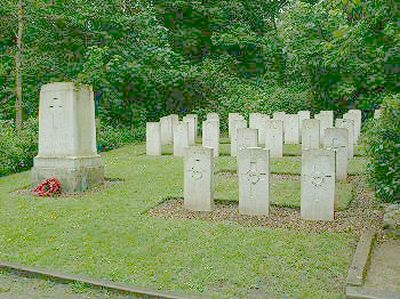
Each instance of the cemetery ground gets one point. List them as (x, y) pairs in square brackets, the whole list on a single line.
[(133, 230)]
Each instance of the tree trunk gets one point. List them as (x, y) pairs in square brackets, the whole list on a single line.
[(18, 62)]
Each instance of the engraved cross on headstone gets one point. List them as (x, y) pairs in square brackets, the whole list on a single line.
[(254, 176), (195, 171), (318, 180)]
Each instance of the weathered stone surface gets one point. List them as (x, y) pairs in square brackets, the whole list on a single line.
[(246, 138), (199, 179), (278, 115), (391, 221), (213, 116), (258, 121), (211, 135), (167, 136), (236, 125), (274, 138), (174, 121), (254, 181), (311, 137), (181, 138), (291, 129), (349, 125), (153, 139), (318, 184), (325, 121), (303, 115), (67, 138), (231, 118), (192, 121), (355, 115), (337, 139)]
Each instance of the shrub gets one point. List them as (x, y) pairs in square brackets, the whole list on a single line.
[(17, 150), (109, 137), (383, 150)]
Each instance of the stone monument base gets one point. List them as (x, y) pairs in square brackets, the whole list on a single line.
[(76, 174)]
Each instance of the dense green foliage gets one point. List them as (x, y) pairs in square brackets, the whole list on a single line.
[(146, 60), (383, 148)]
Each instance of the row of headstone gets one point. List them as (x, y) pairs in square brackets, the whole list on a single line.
[(272, 133), (317, 181)]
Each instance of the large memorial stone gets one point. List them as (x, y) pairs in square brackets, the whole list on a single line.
[(318, 184), (246, 138), (355, 115), (310, 133), (258, 121), (181, 138), (349, 125), (153, 139), (211, 134), (231, 118), (236, 125), (337, 140), (67, 138), (274, 138), (191, 120), (254, 181), (303, 115), (167, 128), (325, 121), (291, 129), (199, 179)]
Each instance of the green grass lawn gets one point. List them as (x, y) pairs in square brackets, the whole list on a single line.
[(108, 235)]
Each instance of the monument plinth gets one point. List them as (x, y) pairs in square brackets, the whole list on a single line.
[(67, 137)]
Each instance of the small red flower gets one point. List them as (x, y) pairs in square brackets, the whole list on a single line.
[(49, 187)]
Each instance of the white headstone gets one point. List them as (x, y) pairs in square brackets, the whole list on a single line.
[(211, 134), (349, 125), (274, 138), (258, 121), (278, 115), (355, 115), (325, 121), (181, 138), (191, 119), (167, 126), (199, 179), (213, 116), (318, 184), (174, 120), (337, 140), (303, 115), (67, 137), (254, 181), (153, 139), (236, 125), (311, 138), (377, 113), (246, 138), (233, 117), (291, 129)]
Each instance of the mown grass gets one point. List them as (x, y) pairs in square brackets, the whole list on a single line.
[(107, 235)]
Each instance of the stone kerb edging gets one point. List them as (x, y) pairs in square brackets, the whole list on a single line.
[(361, 259), (68, 278)]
